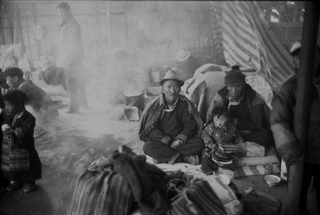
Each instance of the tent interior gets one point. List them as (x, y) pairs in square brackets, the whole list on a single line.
[(256, 35)]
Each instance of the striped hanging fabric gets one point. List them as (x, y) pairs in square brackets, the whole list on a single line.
[(248, 40), (280, 62), (216, 27), (240, 40)]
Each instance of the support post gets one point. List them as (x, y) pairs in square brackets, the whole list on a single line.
[(109, 24), (303, 100)]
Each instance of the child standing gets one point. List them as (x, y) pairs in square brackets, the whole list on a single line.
[(221, 139), (20, 163)]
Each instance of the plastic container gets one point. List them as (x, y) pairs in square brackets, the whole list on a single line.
[(259, 203)]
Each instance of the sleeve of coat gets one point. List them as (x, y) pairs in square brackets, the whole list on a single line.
[(190, 126), (24, 132), (281, 120), (157, 134), (75, 41), (206, 135)]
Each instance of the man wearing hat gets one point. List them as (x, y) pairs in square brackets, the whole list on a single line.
[(282, 118), (170, 125), (186, 64), (249, 111)]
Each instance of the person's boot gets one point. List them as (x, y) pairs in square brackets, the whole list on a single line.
[(208, 166), (174, 158), (14, 185)]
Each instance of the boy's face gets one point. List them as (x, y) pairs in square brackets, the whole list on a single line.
[(11, 108), (12, 81), (220, 121)]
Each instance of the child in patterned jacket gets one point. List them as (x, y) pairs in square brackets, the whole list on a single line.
[(221, 139), (20, 163)]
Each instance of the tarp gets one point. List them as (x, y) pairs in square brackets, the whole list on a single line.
[(13, 56), (246, 39)]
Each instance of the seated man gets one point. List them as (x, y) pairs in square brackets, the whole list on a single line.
[(248, 110), (171, 126), (42, 106), (186, 65)]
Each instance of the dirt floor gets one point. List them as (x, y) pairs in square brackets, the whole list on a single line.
[(72, 142)]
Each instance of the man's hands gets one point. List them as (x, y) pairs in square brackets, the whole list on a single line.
[(212, 146), (176, 143), (290, 153), (166, 140)]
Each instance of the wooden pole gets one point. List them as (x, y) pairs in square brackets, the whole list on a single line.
[(303, 100), (109, 24)]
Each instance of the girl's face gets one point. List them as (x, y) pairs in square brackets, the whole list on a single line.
[(220, 121), (12, 108)]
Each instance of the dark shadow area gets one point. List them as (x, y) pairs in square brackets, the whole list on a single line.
[(18, 202)]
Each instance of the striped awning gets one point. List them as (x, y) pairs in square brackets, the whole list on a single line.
[(247, 40)]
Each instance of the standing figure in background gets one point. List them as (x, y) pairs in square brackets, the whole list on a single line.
[(171, 126), (282, 119), (20, 162), (70, 57), (186, 65), (39, 103)]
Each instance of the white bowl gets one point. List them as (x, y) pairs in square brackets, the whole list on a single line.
[(272, 180)]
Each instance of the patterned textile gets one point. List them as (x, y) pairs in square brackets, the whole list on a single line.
[(195, 197), (244, 37), (13, 160), (224, 192), (255, 170), (101, 192), (224, 141)]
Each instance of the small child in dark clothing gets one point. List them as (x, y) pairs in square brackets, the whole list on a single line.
[(20, 162), (221, 139)]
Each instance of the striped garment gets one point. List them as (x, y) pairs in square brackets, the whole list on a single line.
[(245, 38), (13, 159), (101, 193), (196, 197)]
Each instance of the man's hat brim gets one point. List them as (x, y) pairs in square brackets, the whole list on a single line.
[(179, 81)]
